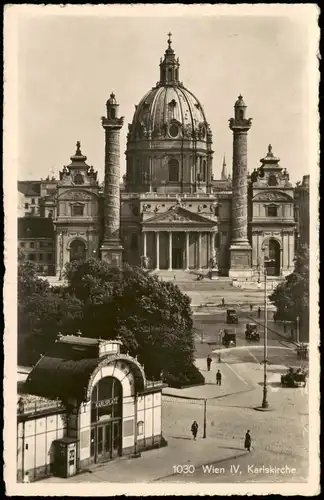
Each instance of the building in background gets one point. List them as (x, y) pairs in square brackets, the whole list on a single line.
[(169, 213), (36, 240)]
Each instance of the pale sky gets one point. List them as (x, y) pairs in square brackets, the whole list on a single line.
[(69, 64)]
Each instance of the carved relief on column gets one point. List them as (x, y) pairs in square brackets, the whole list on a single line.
[(240, 188), (112, 188)]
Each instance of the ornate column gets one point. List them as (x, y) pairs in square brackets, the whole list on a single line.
[(240, 247), (170, 250), (199, 251), (187, 250), (157, 250), (111, 249)]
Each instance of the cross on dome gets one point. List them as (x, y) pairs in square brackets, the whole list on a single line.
[(169, 39)]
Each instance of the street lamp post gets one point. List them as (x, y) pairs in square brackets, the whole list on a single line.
[(61, 255), (265, 403), (297, 329), (205, 419)]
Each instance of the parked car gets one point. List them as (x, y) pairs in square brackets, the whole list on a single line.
[(295, 377)]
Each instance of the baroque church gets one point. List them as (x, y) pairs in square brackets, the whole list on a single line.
[(170, 213)]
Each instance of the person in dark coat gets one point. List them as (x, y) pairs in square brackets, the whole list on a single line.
[(251, 307), (259, 312), (209, 361), (194, 429), (223, 302), (218, 378), (247, 441)]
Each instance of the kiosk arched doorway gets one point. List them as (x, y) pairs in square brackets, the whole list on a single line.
[(106, 420)]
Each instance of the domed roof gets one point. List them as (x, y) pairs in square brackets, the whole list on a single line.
[(168, 103), (165, 104)]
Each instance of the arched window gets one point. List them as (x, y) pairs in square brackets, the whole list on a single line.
[(241, 114), (112, 113), (173, 170), (170, 74)]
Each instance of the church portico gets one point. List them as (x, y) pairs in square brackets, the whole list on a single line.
[(171, 249)]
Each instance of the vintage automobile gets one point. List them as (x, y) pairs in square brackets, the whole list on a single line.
[(295, 377), (302, 351), (231, 316), (229, 338), (251, 332)]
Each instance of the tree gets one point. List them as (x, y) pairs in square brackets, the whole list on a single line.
[(291, 297), (43, 312), (152, 317)]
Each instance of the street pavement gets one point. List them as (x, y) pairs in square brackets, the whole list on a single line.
[(279, 436)]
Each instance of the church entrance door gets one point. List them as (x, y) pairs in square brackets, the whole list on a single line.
[(77, 250), (177, 251), (272, 263)]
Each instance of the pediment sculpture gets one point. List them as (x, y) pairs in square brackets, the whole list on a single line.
[(271, 196), (76, 195)]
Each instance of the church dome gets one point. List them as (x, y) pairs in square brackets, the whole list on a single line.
[(169, 110)]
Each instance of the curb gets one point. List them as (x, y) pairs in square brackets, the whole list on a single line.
[(211, 398)]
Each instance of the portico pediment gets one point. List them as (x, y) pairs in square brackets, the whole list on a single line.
[(179, 216)]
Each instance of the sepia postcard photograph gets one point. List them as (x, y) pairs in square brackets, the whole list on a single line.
[(161, 172)]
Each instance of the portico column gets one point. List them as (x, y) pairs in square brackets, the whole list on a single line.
[(187, 251), (281, 262), (157, 250), (144, 244), (212, 243), (170, 251), (199, 251)]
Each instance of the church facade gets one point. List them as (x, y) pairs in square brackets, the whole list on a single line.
[(171, 213)]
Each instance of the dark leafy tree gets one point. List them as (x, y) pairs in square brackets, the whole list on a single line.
[(291, 297)]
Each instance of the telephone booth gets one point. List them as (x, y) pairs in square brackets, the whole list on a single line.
[(65, 457)]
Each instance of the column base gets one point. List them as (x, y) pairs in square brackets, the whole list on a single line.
[(241, 262), (214, 274), (112, 253)]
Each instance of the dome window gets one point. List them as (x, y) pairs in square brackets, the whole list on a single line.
[(173, 170), (174, 130)]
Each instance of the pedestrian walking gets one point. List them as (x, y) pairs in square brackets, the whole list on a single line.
[(247, 441), (209, 361), (194, 429), (223, 302), (251, 307), (259, 312), (218, 378)]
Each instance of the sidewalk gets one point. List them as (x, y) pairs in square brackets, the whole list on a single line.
[(160, 463)]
